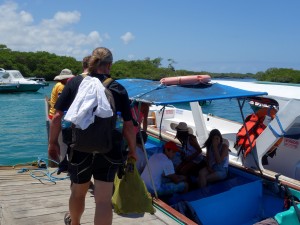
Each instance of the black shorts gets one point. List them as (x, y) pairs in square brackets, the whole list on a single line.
[(85, 165)]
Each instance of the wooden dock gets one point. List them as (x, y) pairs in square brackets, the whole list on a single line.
[(26, 201)]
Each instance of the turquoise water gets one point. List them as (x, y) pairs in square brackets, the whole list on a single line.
[(227, 108), (23, 134)]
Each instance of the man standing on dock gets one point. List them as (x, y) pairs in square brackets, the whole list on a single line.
[(101, 166)]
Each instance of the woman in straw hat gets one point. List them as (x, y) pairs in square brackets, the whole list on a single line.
[(192, 159)]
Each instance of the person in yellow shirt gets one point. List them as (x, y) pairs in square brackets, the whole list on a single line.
[(62, 79)]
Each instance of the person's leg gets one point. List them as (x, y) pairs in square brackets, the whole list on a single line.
[(80, 176), (202, 181), (104, 172), (219, 174), (170, 188), (189, 168), (103, 194), (213, 177), (77, 201)]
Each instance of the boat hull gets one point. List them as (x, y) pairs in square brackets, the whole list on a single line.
[(264, 197), (4, 88), (9, 88)]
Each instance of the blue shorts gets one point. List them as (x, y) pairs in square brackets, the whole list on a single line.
[(168, 187), (85, 165), (221, 171)]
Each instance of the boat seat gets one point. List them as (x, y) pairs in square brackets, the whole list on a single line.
[(239, 205)]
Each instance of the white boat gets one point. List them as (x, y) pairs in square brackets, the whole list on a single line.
[(283, 168), (287, 158), (40, 80), (13, 81), (289, 91)]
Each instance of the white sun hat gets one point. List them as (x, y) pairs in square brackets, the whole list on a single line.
[(182, 126), (64, 74)]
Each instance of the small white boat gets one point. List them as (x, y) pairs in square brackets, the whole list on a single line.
[(13, 81), (40, 80)]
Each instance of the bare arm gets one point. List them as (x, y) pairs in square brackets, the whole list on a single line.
[(55, 128), (195, 144), (145, 119), (193, 141), (224, 153), (128, 133)]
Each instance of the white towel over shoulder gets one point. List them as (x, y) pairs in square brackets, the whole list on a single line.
[(90, 95)]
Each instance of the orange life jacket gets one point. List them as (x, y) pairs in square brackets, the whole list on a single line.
[(255, 125)]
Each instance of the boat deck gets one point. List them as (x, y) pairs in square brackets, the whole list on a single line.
[(24, 200)]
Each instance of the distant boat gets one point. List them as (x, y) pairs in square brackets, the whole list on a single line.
[(40, 80), (13, 81)]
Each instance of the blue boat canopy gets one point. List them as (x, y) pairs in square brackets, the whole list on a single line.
[(153, 92)]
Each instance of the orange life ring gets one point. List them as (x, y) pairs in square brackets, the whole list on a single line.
[(186, 80)]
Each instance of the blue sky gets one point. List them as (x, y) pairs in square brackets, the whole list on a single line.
[(244, 36)]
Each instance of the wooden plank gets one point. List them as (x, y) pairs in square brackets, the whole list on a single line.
[(26, 201)]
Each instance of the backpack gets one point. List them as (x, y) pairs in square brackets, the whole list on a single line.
[(102, 135)]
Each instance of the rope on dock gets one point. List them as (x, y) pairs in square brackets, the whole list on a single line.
[(42, 172)]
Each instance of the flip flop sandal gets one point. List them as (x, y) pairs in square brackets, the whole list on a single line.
[(67, 219)]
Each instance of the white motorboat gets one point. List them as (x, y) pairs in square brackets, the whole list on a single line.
[(13, 81), (283, 132), (286, 126)]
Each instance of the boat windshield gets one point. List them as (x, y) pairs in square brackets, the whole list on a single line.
[(16, 74)]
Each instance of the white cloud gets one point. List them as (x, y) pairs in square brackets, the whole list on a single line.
[(131, 56), (61, 19), (127, 37), (19, 32), (25, 17)]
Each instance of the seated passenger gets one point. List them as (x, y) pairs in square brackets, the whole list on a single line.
[(141, 158), (217, 159), (165, 180), (191, 157)]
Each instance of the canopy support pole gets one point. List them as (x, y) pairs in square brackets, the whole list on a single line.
[(247, 133), (200, 126), (144, 149)]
